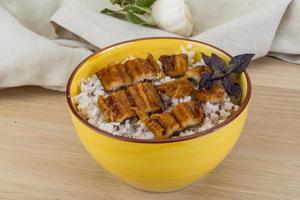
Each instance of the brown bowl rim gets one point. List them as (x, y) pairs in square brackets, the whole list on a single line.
[(168, 140)]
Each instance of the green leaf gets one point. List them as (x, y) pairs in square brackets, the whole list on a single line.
[(117, 14), (132, 17), (144, 3), (137, 9), (135, 19), (122, 3)]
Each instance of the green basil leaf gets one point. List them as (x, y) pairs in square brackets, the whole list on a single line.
[(116, 14), (135, 19), (144, 3), (121, 3), (137, 9)]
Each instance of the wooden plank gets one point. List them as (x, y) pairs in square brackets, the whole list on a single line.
[(42, 158)]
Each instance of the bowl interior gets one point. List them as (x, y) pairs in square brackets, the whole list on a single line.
[(141, 48)]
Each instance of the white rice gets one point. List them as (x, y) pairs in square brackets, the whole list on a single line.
[(91, 88), (191, 54), (198, 63), (163, 80)]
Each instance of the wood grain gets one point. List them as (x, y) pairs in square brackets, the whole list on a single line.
[(42, 158)]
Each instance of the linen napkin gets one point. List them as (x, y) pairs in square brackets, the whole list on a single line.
[(42, 41)]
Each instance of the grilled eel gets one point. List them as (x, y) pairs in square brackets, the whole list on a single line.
[(215, 94), (174, 65), (151, 124), (188, 114), (116, 107), (165, 124), (175, 89), (162, 125), (155, 66), (114, 77), (118, 76), (140, 70), (145, 97), (196, 73)]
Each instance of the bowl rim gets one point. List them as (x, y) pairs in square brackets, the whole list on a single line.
[(151, 141)]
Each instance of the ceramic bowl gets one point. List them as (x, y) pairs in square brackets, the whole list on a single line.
[(156, 165)]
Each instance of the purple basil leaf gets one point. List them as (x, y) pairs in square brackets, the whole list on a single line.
[(236, 90), (217, 63), (206, 81), (206, 59), (236, 93), (227, 82), (218, 74), (240, 62), (229, 69)]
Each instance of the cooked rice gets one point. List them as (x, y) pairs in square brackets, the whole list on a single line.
[(163, 80), (91, 88), (191, 54)]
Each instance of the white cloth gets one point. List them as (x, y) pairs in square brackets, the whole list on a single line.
[(42, 41)]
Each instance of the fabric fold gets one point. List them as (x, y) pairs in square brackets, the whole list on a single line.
[(43, 41), (80, 18), (30, 59), (251, 32)]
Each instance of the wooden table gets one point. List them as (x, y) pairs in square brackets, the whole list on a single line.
[(42, 158)]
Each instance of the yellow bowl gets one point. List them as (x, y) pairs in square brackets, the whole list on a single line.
[(156, 165)]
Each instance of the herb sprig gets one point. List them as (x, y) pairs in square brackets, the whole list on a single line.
[(225, 72), (132, 10)]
